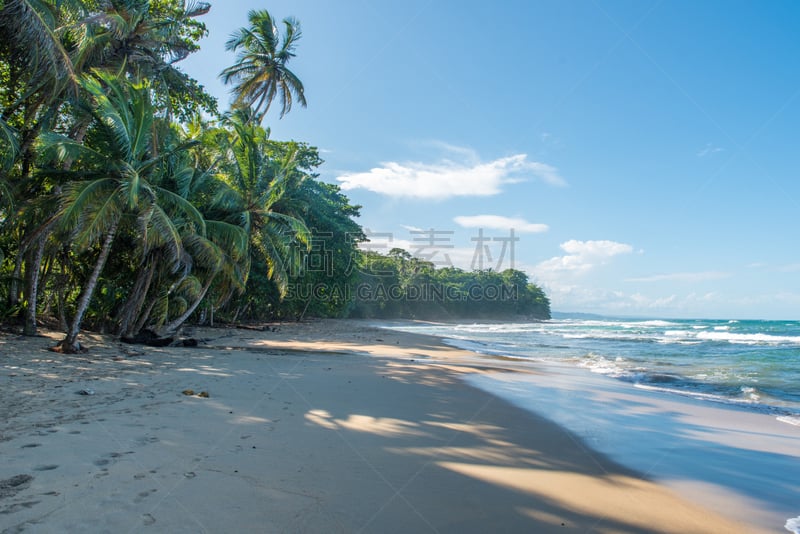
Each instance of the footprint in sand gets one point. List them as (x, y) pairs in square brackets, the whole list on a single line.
[(11, 486), (16, 507), (146, 440), (143, 495), (48, 467)]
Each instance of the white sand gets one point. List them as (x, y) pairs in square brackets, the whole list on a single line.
[(299, 434)]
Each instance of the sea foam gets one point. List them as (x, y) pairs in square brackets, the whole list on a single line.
[(792, 420)]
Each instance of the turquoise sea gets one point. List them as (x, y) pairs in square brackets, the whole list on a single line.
[(711, 408), (751, 363)]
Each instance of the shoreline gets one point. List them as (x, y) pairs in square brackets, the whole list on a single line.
[(332, 426), (691, 443)]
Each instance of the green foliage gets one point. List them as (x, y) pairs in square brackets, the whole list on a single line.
[(260, 73), (126, 200), (322, 259), (398, 285)]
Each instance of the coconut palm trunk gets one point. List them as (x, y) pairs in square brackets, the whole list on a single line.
[(133, 306), (172, 327), (70, 343), (13, 291), (30, 328)]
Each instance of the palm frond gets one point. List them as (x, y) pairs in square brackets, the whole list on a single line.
[(194, 9), (77, 197), (9, 145), (231, 238), (99, 218), (259, 73), (159, 231), (178, 203), (111, 114), (30, 28), (54, 147), (204, 252)]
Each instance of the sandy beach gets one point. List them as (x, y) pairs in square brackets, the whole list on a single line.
[(326, 426)]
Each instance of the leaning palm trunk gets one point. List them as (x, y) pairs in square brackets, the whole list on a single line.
[(70, 343), (171, 328), (133, 307), (33, 269), (13, 291), (143, 318)]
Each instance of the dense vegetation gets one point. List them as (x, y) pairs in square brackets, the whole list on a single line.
[(400, 285), (128, 201)]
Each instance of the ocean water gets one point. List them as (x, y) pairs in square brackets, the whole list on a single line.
[(711, 408), (753, 364)]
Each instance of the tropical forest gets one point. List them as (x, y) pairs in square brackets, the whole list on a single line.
[(131, 201)]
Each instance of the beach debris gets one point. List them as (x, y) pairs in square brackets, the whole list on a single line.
[(130, 352), (192, 393), (85, 392), (154, 339), (148, 337), (62, 348)]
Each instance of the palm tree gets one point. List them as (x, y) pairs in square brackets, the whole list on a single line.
[(260, 73), (9, 148), (114, 171), (30, 28), (252, 186), (146, 39), (176, 288), (46, 46)]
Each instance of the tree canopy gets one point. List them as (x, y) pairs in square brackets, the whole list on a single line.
[(129, 203)]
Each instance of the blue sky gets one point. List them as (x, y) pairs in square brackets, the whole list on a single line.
[(645, 153)]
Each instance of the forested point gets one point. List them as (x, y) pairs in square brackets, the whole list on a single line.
[(130, 204)]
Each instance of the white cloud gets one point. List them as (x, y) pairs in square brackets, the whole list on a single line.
[(682, 277), (548, 173), (709, 150), (498, 222), (582, 256), (596, 249), (572, 297), (447, 178), (467, 154)]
